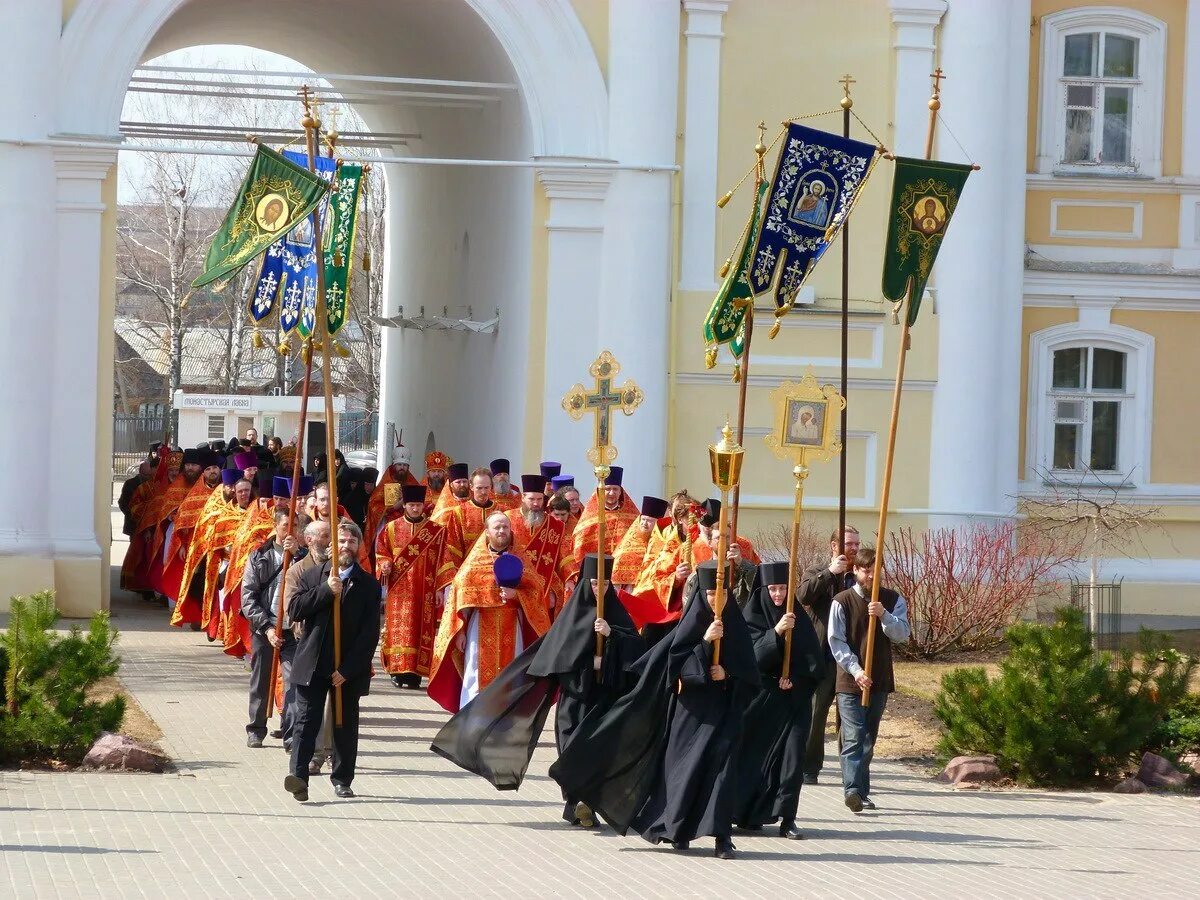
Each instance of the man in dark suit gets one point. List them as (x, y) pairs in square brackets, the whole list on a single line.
[(313, 671), (818, 587)]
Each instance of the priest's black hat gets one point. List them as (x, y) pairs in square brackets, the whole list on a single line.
[(457, 471), (414, 493), (712, 512), (774, 572), (654, 507), (588, 570), (533, 484)]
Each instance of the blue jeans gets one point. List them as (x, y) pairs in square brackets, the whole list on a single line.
[(860, 727)]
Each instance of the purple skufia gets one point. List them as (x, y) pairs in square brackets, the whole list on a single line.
[(281, 487), (230, 477), (550, 469), (508, 569)]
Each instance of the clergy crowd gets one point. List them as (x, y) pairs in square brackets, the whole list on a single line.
[(681, 711)]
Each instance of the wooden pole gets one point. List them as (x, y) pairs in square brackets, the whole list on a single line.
[(602, 472), (759, 177), (287, 557), (800, 472), (935, 104), (722, 551), (321, 326)]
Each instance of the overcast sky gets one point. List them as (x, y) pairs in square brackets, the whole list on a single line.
[(144, 107)]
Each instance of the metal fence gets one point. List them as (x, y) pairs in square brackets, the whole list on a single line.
[(1101, 608), (357, 430), (132, 437)]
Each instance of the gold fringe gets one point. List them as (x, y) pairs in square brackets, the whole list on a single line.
[(737, 373), (710, 358), (728, 264), (774, 330), (724, 200), (258, 340)]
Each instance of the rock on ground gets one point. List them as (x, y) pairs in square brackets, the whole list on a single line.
[(118, 751), (971, 770), (1130, 786), (1158, 772)]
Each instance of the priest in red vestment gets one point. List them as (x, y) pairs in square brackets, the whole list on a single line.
[(399, 472), (619, 513), (407, 554), (540, 538), (707, 544), (630, 556), (464, 523), (504, 494), (493, 611)]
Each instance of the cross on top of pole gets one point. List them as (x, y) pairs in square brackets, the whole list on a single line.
[(601, 403)]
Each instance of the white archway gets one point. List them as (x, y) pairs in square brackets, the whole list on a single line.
[(563, 107), (556, 67)]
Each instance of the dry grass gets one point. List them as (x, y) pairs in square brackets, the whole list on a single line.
[(136, 724)]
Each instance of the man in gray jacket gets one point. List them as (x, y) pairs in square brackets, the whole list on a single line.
[(260, 599)]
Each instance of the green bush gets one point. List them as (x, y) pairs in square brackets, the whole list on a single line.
[(1179, 731), (1059, 714), (47, 715)]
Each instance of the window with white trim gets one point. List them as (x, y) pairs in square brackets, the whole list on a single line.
[(216, 427), (1087, 392), (1101, 92), (1090, 400)]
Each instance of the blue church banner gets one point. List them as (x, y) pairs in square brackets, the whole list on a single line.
[(816, 183)]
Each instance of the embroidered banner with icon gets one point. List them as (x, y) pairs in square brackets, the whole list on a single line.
[(924, 195)]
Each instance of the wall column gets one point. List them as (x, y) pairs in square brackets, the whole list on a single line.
[(697, 260), (643, 87), (27, 229), (79, 542), (575, 246), (980, 269), (913, 39)]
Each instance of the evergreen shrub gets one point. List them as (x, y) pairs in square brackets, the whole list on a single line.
[(1058, 713), (47, 715)]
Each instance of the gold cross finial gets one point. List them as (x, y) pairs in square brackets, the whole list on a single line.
[(845, 81), (937, 77), (602, 402)]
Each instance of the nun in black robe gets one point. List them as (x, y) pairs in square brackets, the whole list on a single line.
[(568, 655), (663, 759), (496, 733), (770, 765)]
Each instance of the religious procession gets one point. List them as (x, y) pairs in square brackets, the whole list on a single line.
[(691, 680)]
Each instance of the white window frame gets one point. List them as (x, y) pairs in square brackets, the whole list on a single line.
[(1147, 126), (1134, 436)]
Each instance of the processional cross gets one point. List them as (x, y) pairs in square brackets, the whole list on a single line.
[(601, 403)]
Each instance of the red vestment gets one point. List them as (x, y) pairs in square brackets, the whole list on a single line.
[(414, 550)]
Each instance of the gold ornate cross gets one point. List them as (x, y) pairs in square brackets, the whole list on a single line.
[(937, 77), (602, 402), (845, 82)]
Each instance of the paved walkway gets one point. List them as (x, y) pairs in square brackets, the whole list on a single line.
[(222, 825)]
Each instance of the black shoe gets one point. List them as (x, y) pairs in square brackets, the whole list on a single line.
[(413, 681), (810, 779), (253, 740), (867, 804), (751, 828), (287, 746), (584, 815), (343, 791), (854, 802), (724, 849), (277, 734), (790, 831), (681, 846), (297, 787), (314, 766), (398, 680)]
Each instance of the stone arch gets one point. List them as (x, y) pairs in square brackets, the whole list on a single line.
[(556, 67)]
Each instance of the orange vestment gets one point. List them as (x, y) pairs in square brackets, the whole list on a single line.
[(474, 591), (414, 550), (616, 523)]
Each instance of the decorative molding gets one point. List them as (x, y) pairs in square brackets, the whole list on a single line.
[(1178, 494), (705, 18), (1138, 256), (874, 361), (1110, 184), (1191, 91), (1134, 234), (1140, 292), (916, 385)]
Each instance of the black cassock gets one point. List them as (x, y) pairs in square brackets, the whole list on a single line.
[(496, 733), (771, 760), (662, 759)]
